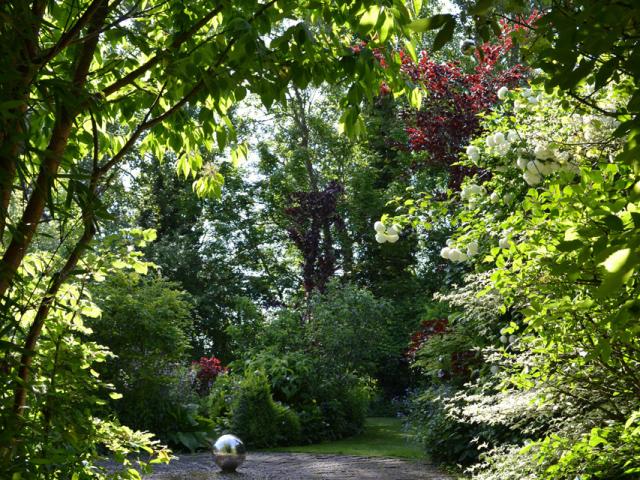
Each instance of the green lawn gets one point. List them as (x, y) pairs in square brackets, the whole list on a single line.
[(382, 437)]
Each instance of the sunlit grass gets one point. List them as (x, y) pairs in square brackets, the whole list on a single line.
[(382, 437)]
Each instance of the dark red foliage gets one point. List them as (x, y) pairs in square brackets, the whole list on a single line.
[(448, 118), (311, 215), (428, 329), (461, 362), (207, 370)]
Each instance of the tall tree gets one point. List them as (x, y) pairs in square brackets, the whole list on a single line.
[(84, 84)]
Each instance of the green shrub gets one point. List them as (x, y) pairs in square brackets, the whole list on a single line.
[(146, 323), (257, 419), (446, 438), (330, 404), (289, 427)]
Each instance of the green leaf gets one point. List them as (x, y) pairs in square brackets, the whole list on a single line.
[(91, 311), (370, 18), (411, 50), (482, 7), (444, 35), (141, 268), (387, 27), (569, 246), (617, 260), (620, 267), (431, 23), (614, 223), (415, 98)]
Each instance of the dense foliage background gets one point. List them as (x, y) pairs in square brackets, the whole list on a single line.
[(276, 218)]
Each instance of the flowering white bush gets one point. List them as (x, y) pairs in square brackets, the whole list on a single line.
[(473, 153), (386, 234)]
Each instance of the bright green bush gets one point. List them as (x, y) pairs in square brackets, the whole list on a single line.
[(64, 429), (146, 323), (548, 225), (330, 404)]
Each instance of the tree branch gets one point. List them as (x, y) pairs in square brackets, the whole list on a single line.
[(70, 34), (177, 42), (52, 157)]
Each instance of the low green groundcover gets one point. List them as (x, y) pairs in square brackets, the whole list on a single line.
[(382, 437)]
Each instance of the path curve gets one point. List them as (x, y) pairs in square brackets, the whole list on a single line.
[(299, 466)]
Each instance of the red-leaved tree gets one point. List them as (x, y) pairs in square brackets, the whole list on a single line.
[(448, 117)]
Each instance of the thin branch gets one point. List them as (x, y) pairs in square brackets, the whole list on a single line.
[(70, 34), (177, 42)]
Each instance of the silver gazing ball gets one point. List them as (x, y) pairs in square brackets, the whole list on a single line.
[(467, 47), (229, 452)]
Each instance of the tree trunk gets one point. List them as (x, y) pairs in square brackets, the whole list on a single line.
[(32, 215)]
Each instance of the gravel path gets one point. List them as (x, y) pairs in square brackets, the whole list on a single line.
[(298, 466)]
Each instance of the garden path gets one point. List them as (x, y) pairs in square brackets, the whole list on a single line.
[(299, 466)]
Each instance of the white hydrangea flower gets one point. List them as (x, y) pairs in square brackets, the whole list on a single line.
[(562, 157), (490, 141), (473, 153), (570, 168), (547, 168), (504, 242), (498, 138), (531, 178), (472, 190), (522, 163), (512, 136), (543, 153), (445, 252), (472, 248), (533, 167), (503, 339), (455, 255), (392, 238), (502, 93), (495, 198), (384, 234), (477, 189)]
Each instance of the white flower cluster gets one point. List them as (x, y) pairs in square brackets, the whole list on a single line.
[(530, 98), (501, 143), (384, 234), (472, 190), (546, 161), (456, 255), (505, 239), (473, 153), (502, 93), (510, 339)]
